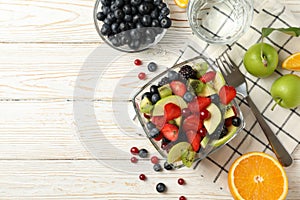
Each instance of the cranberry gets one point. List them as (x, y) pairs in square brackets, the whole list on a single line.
[(154, 159), (182, 198), (134, 150), (142, 177), (142, 76), (137, 62), (204, 114), (133, 159), (202, 132), (181, 181)]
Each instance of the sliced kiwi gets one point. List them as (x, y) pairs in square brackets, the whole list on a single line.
[(188, 157), (207, 90), (165, 91), (176, 152), (146, 105), (229, 112), (195, 85), (200, 69)]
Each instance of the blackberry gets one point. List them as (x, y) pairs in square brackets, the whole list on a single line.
[(164, 81), (187, 72)]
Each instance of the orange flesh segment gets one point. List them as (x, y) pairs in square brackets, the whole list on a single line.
[(292, 62)]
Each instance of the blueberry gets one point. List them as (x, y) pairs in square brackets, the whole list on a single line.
[(131, 25), (134, 10), (123, 26), (108, 21), (152, 66), (155, 98), (134, 34), (154, 132), (224, 132), (154, 89), (215, 98), (165, 11), (150, 126), (105, 29), (165, 140), (165, 22), (119, 14), (143, 153), (172, 75), (188, 96), (135, 2), (144, 8), (157, 167), (113, 7), (134, 44), (119, 3), (150, 32), (157, 2), (125, 39), (115, 41), (158, 30), (140, 27), (154, 13), (136, 18), (160, 187), (115, 28), (128, 18), (100, 16), (111, 17), (161, 6), (105, 2), (127, 9), (236, 121), (155, 23), (168, 166), (105, 10), (149, 1), (146, 20)]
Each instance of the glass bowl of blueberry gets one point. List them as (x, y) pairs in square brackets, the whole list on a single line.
[(131, 25), (188, 111)]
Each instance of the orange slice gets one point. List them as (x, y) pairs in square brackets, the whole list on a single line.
[(182, 3), (257, 175), (292, 62)]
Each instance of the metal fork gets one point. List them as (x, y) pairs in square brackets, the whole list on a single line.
[(235, 78)]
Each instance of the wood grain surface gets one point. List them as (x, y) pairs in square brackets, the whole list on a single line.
[(44, 45)]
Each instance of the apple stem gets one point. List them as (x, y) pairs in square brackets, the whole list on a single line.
[(275, 104)]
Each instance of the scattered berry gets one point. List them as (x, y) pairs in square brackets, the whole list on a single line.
[(154, 159), (157, 167), (160, 187), (143, 153), (134, 150), (152, 66), (133, 159), (181, 181), (142, 76), (236, 121), (182, 198), (168, 166), (137, 62), (142, 177)]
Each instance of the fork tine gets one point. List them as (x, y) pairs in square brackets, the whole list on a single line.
[(220, 64), (226, 66), (231, 62)]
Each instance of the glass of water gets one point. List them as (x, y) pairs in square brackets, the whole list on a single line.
[(220, 21)]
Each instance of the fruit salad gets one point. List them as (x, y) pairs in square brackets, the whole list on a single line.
[(187, 109)]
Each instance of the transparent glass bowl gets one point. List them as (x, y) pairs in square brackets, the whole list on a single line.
[(213, 143), (141, 37), (220, 21)]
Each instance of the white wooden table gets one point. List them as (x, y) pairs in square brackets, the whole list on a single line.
[(43, 46)]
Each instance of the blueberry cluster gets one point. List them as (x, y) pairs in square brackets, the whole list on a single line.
[(133, 22)]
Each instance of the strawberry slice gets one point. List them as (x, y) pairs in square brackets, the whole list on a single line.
[(199, 103), (192, 122), (227, 94), (170, 132), (158, 121), (178, 88), (209, 76), (194, 138), (171, 111)]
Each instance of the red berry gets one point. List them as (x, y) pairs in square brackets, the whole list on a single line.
[(154, 159), (170, 132), (182, 198), (178, 88), (142, 177), (181, 181), (202, 132), (137, 62), (171, 111), (142, 76), (209, 76), (227, 94), (134, 150), (186, 112), (204, 114), (133, 159)]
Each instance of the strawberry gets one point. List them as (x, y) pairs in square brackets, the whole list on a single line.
[(178, 88), (171, 111), (208, 76), (199, 103), (227, 94), (158, 121), (194, 138), (192, 122), (170, 132)]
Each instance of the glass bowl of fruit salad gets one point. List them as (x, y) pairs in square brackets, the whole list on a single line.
[(131, 25), (188, 112)]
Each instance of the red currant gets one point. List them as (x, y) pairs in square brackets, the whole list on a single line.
[(202, 132), (142, 76), (137, 62), (182, 198), (142, 177), (134, 150), (133, 159), (204, 114), (181, 181), (154, 159)]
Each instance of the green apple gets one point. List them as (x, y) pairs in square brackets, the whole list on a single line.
[(286, 91), (261, 60)]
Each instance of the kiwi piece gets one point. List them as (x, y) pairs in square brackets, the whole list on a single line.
[(176, 152), (195, 85), (200, 69), (188, 157), (146, 105), (165, 91)]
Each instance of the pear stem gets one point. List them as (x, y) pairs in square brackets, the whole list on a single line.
[(275, 104)]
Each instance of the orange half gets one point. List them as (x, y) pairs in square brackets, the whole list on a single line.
[(257, 176), (181, 3), (292, 62)]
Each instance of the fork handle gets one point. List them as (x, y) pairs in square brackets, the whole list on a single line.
[(281, 153)]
